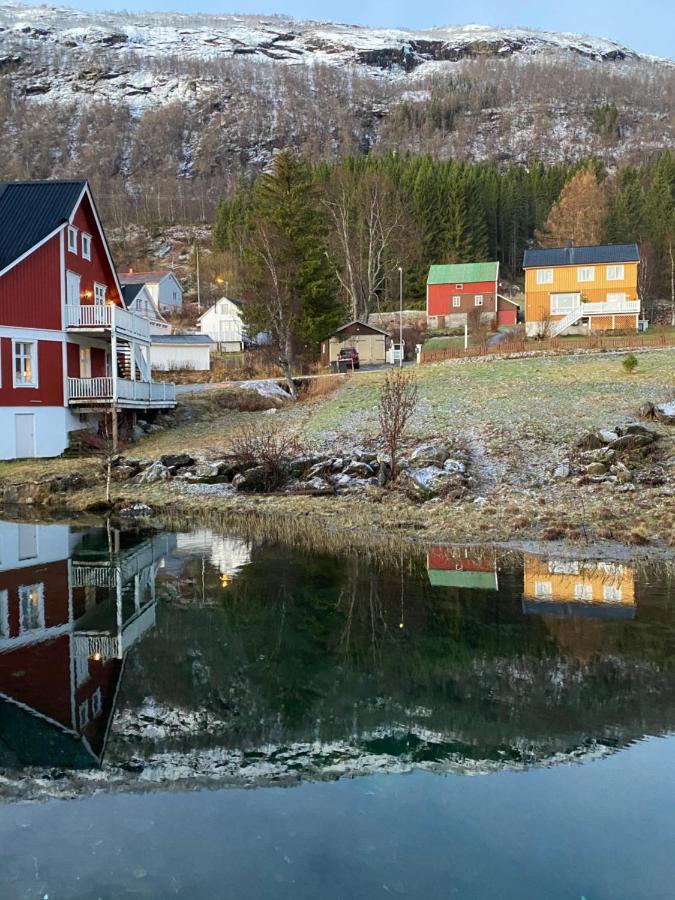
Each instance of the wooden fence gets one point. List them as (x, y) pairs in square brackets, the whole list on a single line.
[(557, 345)]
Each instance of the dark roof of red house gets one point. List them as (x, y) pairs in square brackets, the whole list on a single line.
[(30, 211)]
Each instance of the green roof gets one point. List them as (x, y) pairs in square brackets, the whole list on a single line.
[(486, 581), (463, 272)]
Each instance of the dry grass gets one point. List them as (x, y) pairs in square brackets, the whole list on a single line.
[(322, 386)]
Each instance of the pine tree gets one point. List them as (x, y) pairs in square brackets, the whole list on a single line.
[(293, 289)]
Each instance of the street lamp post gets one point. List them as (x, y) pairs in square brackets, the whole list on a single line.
[(400, 315), (199, 288)]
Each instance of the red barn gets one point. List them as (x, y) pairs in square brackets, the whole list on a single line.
[(453, 291), (69, 350)]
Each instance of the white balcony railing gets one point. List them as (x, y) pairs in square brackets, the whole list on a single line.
[(93, 576), (609, 308), (94, 316), (102, 389), (90, 388)]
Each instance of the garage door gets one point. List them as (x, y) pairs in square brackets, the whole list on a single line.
[(507, 317)]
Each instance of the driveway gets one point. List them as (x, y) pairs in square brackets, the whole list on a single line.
[(215, 385)]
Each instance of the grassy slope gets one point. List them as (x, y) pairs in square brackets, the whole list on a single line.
[(519, 417), (546, 401)]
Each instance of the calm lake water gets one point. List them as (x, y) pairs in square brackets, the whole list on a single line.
[(197, 715)]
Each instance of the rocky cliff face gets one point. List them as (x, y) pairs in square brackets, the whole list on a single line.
[(191, 99)]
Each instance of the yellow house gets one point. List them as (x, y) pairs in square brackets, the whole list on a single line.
[(578, 587), (577, 290)]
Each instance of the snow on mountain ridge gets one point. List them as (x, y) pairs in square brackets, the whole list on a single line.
[(284, 39)]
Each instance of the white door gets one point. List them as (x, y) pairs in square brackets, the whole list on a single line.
[(72, 289), (85, 362), (24, 424), (27, 541)]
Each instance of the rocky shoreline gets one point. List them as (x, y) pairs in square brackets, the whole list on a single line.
[(614, 484)]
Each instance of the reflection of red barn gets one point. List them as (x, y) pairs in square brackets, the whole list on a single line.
[(461, 567)]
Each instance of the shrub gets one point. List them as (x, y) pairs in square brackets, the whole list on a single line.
[(267, 447), (630, 363), (398, 398)]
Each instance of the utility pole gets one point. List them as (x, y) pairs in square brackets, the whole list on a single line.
[(400, 314), (199, 292)]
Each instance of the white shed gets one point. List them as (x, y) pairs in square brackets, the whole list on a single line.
[(181, 351), (223, 324)]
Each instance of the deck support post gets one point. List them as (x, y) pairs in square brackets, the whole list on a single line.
[(115, 434)]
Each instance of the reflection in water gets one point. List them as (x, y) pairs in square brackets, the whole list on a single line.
[(172, 663), (71, 606), (260, 662), (576, 588), (465, 567)]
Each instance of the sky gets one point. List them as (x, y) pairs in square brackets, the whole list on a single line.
[(644, 25)]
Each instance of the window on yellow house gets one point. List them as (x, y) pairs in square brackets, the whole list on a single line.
[(614, 273), (586, 273), (544, 276)]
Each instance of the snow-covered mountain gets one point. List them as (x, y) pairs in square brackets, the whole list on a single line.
[(191, 100), (33, 38)]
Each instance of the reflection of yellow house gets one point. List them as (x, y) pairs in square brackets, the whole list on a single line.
[(575, 587)]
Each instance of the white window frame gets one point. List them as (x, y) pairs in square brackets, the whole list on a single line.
[(4, 614), (459, 287), (86, 245), (100, 293), (544, 276), (81, 670), (83, 714), (618, 297), (556, 310), (611, 593), (616, 273), (478, 300), (34, 363), (586, 273), (456, 301), (583, 591), (40, 591), (543, 590), (72, 239)]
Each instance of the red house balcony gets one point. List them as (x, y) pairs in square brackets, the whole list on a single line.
[(120, 392), (98, 319)]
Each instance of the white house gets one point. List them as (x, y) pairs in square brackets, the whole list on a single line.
[(181, 351), (163, 287), (138, 299), (223, 324)]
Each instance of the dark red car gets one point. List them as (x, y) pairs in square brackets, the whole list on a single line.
[(349, 355)]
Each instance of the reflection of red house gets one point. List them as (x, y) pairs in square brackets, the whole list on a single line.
[(461, 567), (65, 627)]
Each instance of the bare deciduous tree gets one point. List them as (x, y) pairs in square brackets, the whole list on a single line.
[(398, 399), (369, 227)]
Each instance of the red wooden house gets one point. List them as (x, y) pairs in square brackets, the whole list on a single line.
[(454, 291), (69, 350)]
